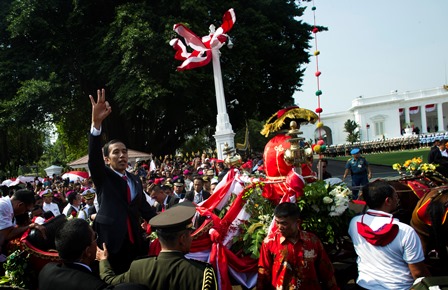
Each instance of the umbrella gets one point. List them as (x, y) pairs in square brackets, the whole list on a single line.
[(76, 175)]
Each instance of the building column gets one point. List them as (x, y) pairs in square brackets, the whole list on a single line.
[(424, 129), (407, 117), (440, 118)]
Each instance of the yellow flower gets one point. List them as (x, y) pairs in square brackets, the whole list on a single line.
[(407, 163), (396, 166)]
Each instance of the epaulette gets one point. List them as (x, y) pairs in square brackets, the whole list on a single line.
[(209, 282)]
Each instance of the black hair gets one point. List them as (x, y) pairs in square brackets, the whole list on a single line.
[(71, 197), (287, 209), (107, 145), (169, 239), (72, 239), (24, 195), (375, 193)]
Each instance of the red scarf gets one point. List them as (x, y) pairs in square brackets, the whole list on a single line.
[(381, 237)]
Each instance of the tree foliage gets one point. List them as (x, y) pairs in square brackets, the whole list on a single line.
[(54, 53), (352, 128)]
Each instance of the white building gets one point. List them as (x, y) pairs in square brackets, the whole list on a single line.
[(387, 116)]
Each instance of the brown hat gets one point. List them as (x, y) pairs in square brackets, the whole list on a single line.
[(175, 219)]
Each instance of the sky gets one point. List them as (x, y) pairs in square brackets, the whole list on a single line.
[(374, 47)]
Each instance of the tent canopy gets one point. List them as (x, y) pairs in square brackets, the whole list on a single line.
[(132, 155), (53, 169)]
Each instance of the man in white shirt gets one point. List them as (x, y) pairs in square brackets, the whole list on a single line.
[(49, 205), (20, 203), (390, 254)]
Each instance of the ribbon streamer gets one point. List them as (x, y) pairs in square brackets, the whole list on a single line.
[(202, 47)]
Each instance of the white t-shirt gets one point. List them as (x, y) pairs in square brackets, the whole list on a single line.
[(385, 267), (6, 213), (51, 207)]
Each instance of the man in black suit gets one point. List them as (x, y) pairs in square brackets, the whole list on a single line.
[(436, 157), (198, 194), (120, 195), (76, 246), (164, 201), (434, 151)]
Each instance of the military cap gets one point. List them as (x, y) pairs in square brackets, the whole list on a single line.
[(46, 193), (167, 185), (88, 193), (354, 151), (214, 181), (175, 219), (179, 182)]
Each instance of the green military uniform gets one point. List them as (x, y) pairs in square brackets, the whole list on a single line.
[(170, 269)]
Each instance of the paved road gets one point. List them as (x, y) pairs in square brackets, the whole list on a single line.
[(337, 168)]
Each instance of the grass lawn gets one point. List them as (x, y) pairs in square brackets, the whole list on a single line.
[(389, 158)]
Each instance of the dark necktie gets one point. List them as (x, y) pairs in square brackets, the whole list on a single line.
[(128, 221)]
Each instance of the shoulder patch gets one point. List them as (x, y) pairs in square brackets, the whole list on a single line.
[(209, 281)]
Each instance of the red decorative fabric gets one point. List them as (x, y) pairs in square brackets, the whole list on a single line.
[(281, 112), (202, 47), (128, 221), (273, 154), (381, 237), (418, 188), (295, 184), (276, 168)]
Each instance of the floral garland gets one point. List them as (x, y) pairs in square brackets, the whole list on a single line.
[(324, 210), (413, 167)]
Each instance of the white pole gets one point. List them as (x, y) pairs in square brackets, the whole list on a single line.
[(224, 133)]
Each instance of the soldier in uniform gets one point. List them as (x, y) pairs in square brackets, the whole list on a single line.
[(89, 197), (359, 169), (170, 269)]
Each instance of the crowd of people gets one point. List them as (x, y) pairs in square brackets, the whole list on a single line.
[(111, 215)]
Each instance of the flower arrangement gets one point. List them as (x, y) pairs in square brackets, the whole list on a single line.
[(325, 211), (414, 166)]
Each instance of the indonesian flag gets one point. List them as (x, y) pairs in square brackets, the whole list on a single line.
[(414, 110), (430, 108), (401, 111)]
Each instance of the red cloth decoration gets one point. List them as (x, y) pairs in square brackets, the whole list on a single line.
[(319, 110), (295, 184), (418, 188), (283, 111)]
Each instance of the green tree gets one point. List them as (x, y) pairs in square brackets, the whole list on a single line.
[(53, 54), (352, 128)]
